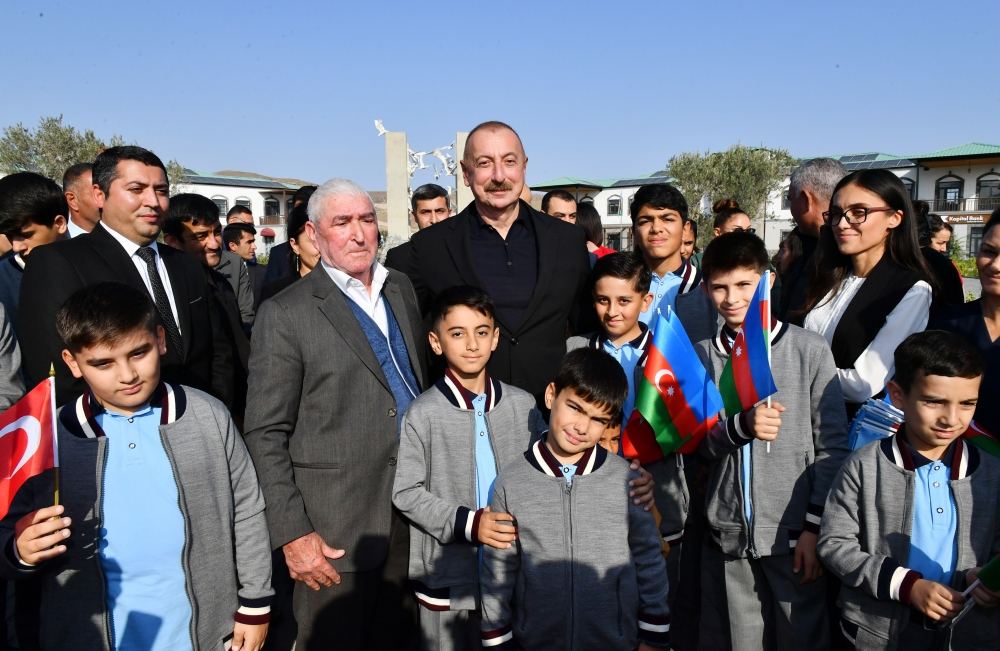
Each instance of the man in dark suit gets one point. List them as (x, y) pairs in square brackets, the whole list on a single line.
[(534, 267), (336, 359), (130, 187), (428, 205), (240, 238)]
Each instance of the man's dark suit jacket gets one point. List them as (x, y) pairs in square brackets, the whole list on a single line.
[(321, 419), (528, 356), (400, 257), (57, 270), (257, 273)]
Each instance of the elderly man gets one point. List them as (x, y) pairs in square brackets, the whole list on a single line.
[(534, 267), (337, 358)]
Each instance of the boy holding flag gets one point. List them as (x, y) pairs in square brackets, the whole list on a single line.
[(772, 460)]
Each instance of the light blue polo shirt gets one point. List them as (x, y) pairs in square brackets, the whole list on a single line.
[(486, 464), (664, 290), (628, 356), (933, 545), (568, 470), (142, 537)]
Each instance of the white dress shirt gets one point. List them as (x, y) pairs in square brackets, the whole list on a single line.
[(131, 248), (370, 303), (73, 229), (875, 366)]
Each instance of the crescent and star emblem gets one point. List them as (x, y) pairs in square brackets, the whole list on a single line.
[(660, 374), (33, 428)]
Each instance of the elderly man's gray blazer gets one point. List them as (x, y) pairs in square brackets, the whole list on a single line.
[(321, 420)]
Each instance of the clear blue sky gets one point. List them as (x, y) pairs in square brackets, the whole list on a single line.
[(596, 89)]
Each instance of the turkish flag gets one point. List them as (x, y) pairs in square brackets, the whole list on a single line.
[(27, 441)]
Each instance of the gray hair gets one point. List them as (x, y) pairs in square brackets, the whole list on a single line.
[(330, 189), (820, 175)]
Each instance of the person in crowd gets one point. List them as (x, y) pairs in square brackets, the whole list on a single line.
[(239, 214), (978, 322), (532, 266), (278, 256), (770, 470), (585, 569), (455, 438), (788, 252), (940, 232), (336, 360), (11, 384), (131, 189), (159, 539), (33, 213), (304, 256), (658, 214), (945, 277), (589, 220), (810, 187), (729, 217), (78, 188), (561, 205), (428, 205), (192, 225), (868, 290), (241, 238), (689, 242), (911, 518)]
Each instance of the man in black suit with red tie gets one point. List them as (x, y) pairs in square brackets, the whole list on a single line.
[(131, 189)]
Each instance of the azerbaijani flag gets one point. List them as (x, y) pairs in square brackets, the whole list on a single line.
[(676, 401), (747, 379), (982, 439)]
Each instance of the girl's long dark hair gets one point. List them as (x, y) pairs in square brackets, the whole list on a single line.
[(830, 267)]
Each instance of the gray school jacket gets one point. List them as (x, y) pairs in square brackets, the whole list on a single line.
[(435, 485), (586, 571), (789, 484), (865, 539), (226, 556)]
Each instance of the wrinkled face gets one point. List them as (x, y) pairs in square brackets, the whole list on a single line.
[(495, 168), (136, 201), (465, 337), (940, 240), (246, 248), (937, 410), (872, 234), (33, 235), (618, 306), (575, 425), (431, 211), (80, 197), (346, 234), (687, 241), (658, 233), (122, 375), (731, 292), (562, 209), (736, 222), (988, 262), (200, 240)]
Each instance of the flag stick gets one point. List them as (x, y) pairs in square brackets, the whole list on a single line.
[(767, 280), (55, 429)]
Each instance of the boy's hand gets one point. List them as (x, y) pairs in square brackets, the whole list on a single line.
[(248, 637), (306, 558), (934, 600), (496, 529), (641, 488), (805, 558), (40, 534), (983, 595), (766, 421)]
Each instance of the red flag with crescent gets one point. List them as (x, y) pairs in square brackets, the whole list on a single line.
[(27, 441)]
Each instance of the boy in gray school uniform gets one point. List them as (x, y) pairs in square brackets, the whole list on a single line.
[(454, 438), (912, 518), (769, 474)]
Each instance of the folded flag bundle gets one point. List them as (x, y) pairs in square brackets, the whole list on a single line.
[(876, 420)]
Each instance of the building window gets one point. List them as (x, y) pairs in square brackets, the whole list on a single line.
[(615, 206), (223, 205), (988, 191), (975, 239), (910, 187), (785, 203), (243, 201), (271, 207), (288, 206), (948, 193)]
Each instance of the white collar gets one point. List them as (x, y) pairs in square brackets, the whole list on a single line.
[(347, 284), (127, 244)]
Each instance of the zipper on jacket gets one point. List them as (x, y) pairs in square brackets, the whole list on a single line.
[(568, 510), (751, 547), (186, 555), (108, 621)]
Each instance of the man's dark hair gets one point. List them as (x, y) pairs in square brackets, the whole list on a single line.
[(188, 207), (233, 233), (589, 220), (74, 172), (426, 192), (26, 198), (106, 164), (935, 352), (595, 376), (626, 266), (467, 295), (491, 125), (238, 209), (735, 250), (659, 196), (562, 195), (302, 195), (104, 314)]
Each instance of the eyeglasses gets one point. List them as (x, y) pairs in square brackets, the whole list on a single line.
[(855, 215), (737, 229)]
